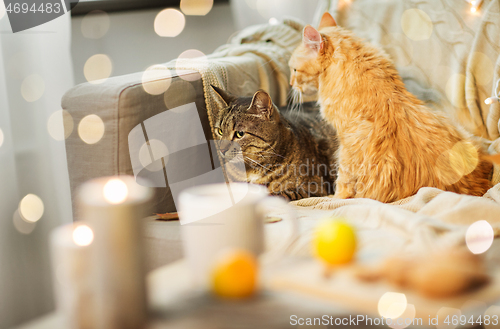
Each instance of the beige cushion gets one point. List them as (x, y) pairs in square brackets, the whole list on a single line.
[(122, 104)]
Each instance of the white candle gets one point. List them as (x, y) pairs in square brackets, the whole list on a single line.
[(72, 267), (113, 208)]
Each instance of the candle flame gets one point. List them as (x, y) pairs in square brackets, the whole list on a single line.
[(83, 235), (115, 191)]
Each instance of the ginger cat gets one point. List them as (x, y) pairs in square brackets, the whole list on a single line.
[(391, 144)]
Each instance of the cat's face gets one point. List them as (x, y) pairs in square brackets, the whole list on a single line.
[(306, 61), (305, 68), (246, 127)]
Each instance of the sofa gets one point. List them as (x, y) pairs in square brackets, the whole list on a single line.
[(448, 56)]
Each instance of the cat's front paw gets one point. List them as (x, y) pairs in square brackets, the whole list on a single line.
[(343, 191), (344, 195)]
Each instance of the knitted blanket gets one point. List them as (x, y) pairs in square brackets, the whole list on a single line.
[(256, 58)]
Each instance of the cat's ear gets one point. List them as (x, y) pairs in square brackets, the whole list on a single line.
[(327, 20), (312, 38), (261, 104), (226, 97)]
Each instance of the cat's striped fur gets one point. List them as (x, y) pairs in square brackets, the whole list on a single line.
[(290, 153)]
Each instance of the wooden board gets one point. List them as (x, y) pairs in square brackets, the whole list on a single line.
[(342, 288)]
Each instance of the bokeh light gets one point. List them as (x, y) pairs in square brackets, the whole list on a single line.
[(60, 125), (494, 314), (157, 150), (83, 235), (405, 319), (95, 24), (97, 68), (192, 53), (447, 312), (115, 191), (172, 101), (91, 129), (463, 158), (2, 10), (479, 237), (32, 88), (156, 79), (1, 137), (416, 24), (196, 7), (21, 225), (169, 23), (392, 305), (189, 58), (457, 162), (273, 21), (31, 208)]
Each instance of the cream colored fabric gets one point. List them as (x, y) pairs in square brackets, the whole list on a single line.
[(429, 202), (430, 220)]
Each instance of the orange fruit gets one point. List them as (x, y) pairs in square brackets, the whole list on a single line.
[(334, 242), (234, 274)]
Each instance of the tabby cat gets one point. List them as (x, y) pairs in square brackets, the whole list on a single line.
[(290, 153), (391, 144)]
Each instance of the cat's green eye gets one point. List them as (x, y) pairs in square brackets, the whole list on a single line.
[(240, 134), (219, 131)]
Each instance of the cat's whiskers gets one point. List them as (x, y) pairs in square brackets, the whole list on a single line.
[(296, 100), (301, 101), (257, 163), (271, 147), (274, 154), (262, 156), (291, 98)]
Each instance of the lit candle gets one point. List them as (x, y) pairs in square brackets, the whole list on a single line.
[(113, 208), (71, 261)]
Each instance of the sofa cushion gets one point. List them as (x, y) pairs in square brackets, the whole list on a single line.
[(122, 103)]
